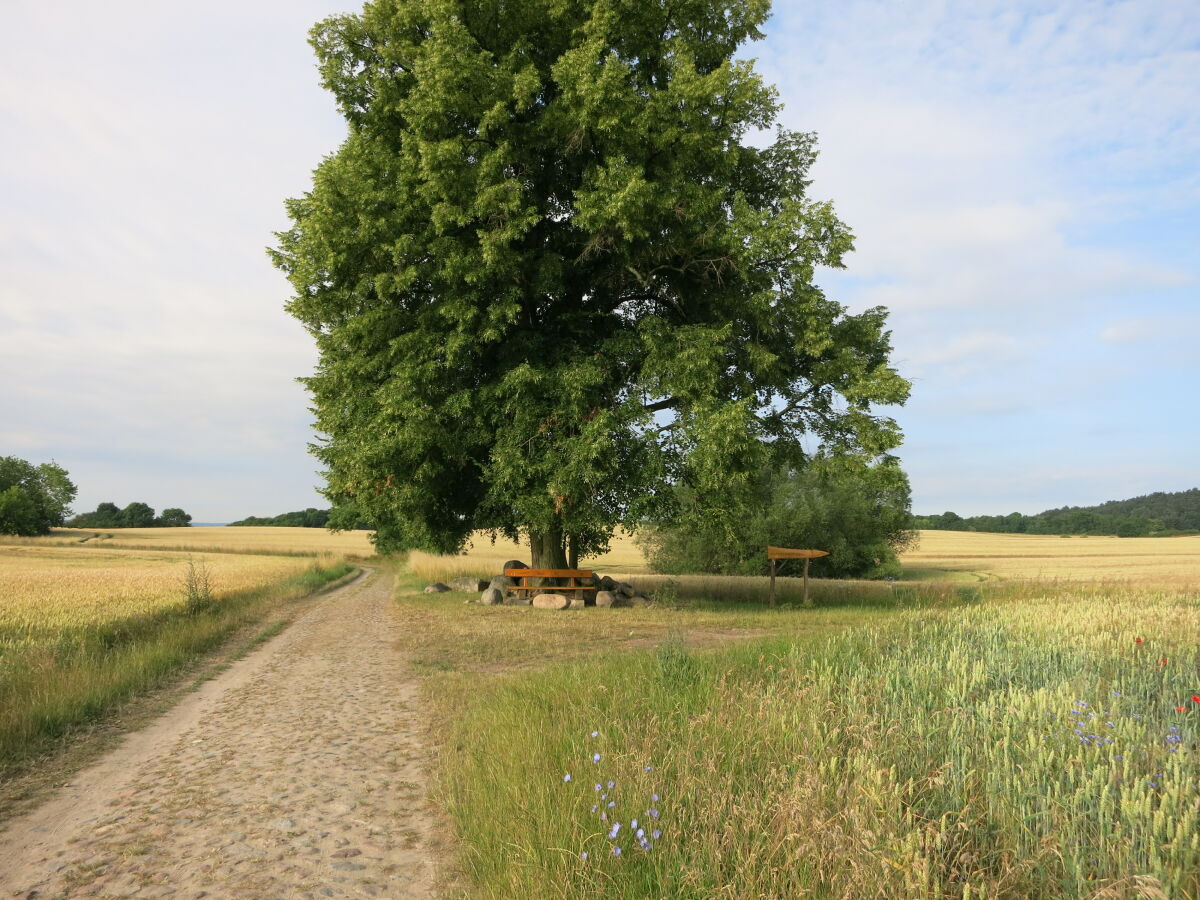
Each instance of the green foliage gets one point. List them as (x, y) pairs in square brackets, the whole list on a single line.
[(174, 518), (1152, 514), (855, 509), (33, 499), (135, 515), (549, 276), (339, 519)]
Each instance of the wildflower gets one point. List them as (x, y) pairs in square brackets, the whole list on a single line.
[(1181, 709), (612, 803), (567, 777), (641, 832), (656, 834), (616, 851), (654, 797), (1163, 661), (613, 831), (595, 757), (651, 768), (1196, 698), (1137, 640), (597, 787), (583, 856), (611, 785), (633, 824), (595, 734), (594, 807), (654, 813)]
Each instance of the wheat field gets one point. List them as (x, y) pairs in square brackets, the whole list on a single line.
[(955, 556), (44, 589), (226, 539)]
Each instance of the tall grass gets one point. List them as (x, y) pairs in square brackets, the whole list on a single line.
[(76, 674), (1027, 748)]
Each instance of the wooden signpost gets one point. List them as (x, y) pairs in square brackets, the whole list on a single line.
[(777, 553)]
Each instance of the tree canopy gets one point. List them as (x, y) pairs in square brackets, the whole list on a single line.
[(555, 269), (33, 499), (136, 515)]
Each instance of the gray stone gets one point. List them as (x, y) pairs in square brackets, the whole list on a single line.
[(577, 602), (502, 582), (551, 601), (519, 598), (606, 583), (514, 564), (625, 589), (469, 583), (436, 588), (491, 597), (606, 598)]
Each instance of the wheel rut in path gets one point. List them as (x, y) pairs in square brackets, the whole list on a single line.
[(297, 773)]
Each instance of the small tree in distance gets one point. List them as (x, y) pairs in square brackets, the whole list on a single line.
[(550, 279)]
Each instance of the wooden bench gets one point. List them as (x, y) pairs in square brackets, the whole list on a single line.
[(519, 576)]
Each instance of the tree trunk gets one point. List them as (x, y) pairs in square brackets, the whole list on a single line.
[(548, 549), (572, 552)]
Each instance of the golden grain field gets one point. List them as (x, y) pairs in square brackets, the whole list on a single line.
[(227, 539), (1172, 562), (46, 588), (939, 556)]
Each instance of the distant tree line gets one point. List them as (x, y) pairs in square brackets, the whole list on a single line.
[(135, 515), (33, 499), (337, 519), (1151, 515)]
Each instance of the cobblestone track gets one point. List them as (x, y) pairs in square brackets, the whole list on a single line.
[(297, 773)]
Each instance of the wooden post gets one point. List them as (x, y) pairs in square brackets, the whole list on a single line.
[(774, 553)]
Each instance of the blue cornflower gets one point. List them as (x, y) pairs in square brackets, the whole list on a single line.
[(654, 813), (583, 856), (616, 851), (612, 803), (654, 797), (594, 807), (641, 832), (595, 733), (613, 831), (649, 768), (611, 785), (633, 824), (656, 834), (567, 777), (597, 787), (595, 757)]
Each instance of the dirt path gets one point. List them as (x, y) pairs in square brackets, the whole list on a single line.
[(297, 773)]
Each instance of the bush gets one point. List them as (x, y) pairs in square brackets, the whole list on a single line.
[(858, 510)]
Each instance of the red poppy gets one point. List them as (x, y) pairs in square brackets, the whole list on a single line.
[(1196, 698), (1163, 661), (1137, 640), (1181, 709)]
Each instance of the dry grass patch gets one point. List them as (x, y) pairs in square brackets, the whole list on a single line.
[(200, 539)]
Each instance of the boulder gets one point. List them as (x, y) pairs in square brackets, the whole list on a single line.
[(605, 583), (625, 589), (577, 602), (502, 582), (436, 588), (491, 597), (519, 598), (606, 598), (638, 600), (514, 564), (468, 583), (551, 601)]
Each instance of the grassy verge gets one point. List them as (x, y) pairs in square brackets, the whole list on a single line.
[(1030, 747), (48, 691)]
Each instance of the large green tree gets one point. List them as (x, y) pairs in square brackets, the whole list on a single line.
[(33, 499), (551, 271)]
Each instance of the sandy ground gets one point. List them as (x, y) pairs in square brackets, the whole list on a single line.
[(296, 773)]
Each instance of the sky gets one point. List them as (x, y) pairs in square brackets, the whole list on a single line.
[(1023, 180)]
